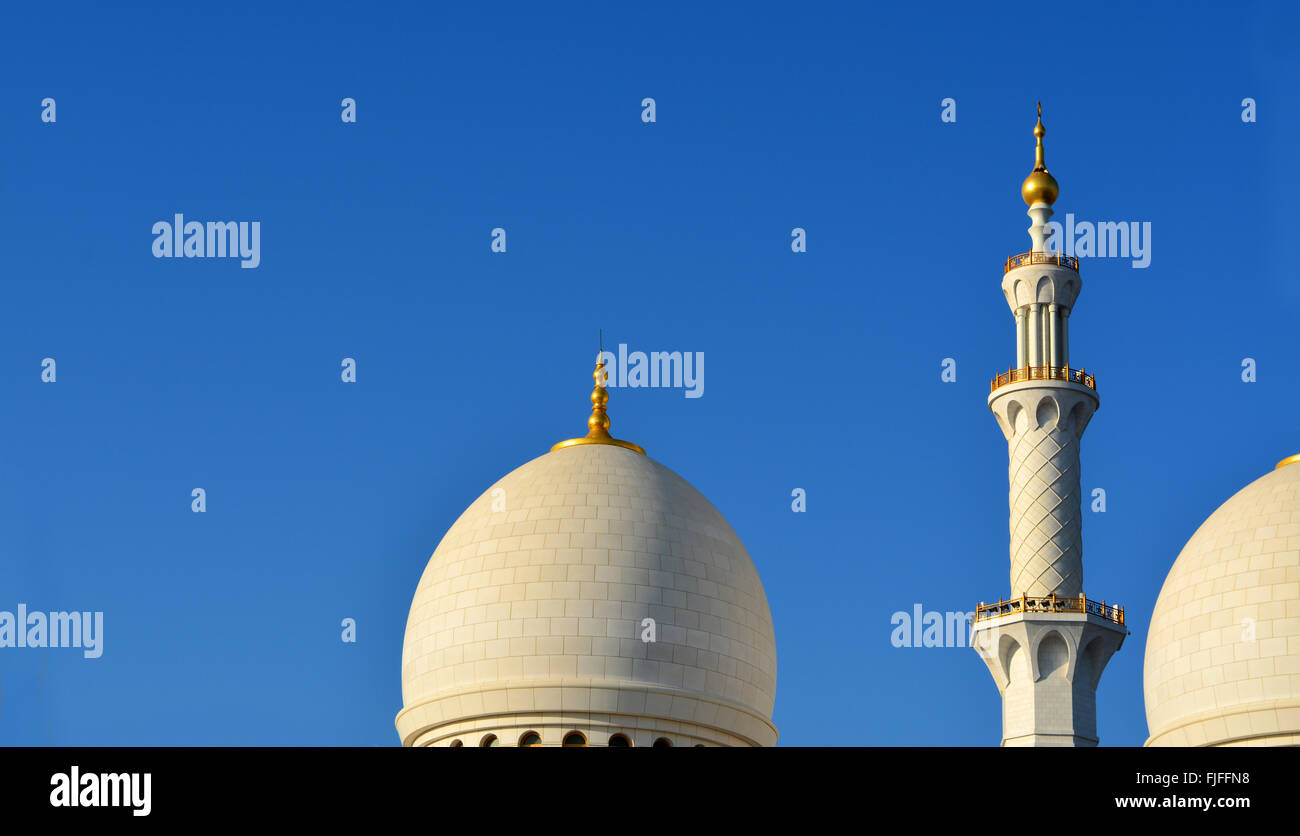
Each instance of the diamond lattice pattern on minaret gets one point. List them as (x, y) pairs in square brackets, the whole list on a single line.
[(1046, 553)]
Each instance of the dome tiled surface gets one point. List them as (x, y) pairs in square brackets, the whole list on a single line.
[(1223, 649), (551, 589)]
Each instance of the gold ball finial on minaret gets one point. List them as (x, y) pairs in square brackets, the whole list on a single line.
[(1040, 186), (598, 421)]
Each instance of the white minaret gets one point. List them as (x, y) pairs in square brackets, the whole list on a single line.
[(1048, 644)]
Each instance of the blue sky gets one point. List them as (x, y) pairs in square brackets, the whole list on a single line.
[(325, 499)]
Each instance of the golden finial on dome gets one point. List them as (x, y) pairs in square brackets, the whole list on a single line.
[(1040, 186), (598, 422), (1288, 460)]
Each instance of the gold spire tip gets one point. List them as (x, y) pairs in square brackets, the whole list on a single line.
[(598, 421), (1040, 186)]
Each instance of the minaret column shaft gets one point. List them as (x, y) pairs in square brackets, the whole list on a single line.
[(1046, 521), (1022, 358), (1044, 353), (1035, 335), (1054, 335), (1065, 337)]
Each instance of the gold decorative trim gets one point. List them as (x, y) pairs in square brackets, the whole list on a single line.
[(1014, 261), (1050, 603), (1043, 373), (617, 442)]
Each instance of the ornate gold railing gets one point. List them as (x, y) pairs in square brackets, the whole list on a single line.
[(1041, 258), (1043, 373), (1050, 603)]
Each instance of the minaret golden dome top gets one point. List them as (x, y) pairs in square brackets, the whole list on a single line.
[(598, 422), (1040, 186), (1288, 460)]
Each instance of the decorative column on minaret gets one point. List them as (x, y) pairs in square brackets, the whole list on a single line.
[(1048, 644)]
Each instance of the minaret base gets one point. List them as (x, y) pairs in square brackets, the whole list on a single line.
[(1047, 666)]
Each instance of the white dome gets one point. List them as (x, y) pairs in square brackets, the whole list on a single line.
[(1223, 650), (529, 616)]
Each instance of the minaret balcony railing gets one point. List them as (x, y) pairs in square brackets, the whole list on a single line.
[(1043, 373), (1050, 603), (1041, 258)]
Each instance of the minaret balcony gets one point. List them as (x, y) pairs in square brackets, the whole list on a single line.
[(1043, 373), (1041, 258), (1051, 603)]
